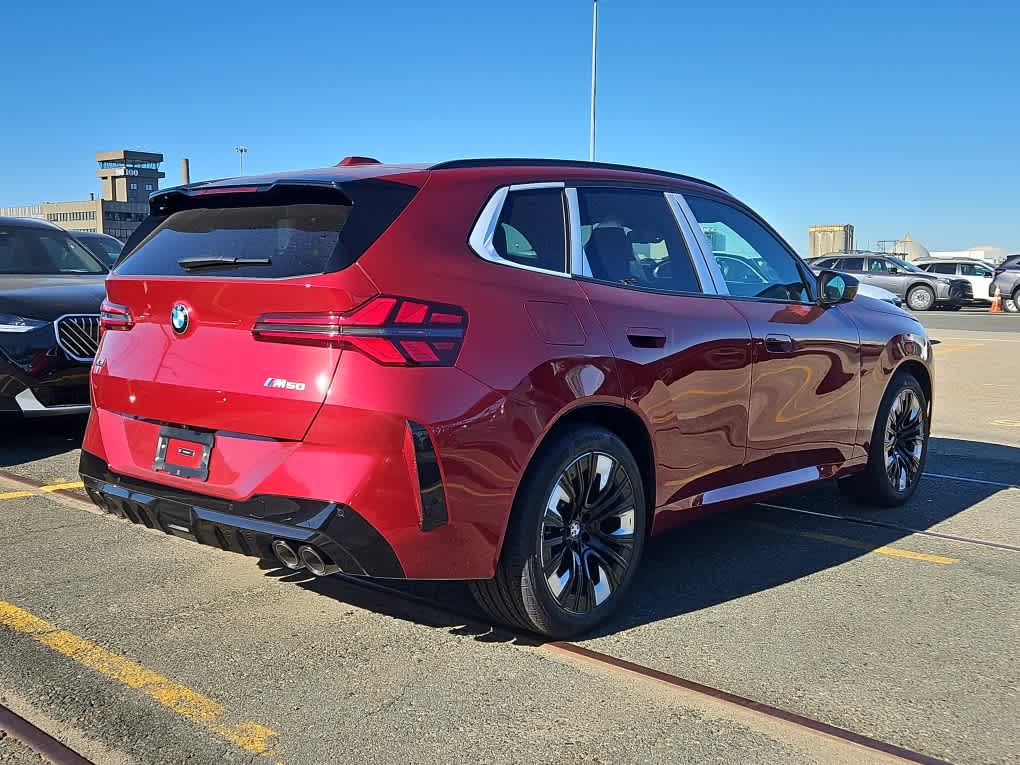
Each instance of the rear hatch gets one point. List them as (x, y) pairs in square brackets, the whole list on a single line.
[(204, 268)]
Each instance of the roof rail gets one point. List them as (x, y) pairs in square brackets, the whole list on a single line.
[(525, 162)]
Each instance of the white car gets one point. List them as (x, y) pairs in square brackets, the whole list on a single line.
[(868, 290), (977, 272)]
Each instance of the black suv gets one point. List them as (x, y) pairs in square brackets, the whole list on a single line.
[(1007, 280), (920, 290)]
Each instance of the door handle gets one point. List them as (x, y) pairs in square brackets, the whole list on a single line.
[(779, 344), (646, 337)]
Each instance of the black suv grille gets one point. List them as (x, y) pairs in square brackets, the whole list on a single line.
[(78, 336)]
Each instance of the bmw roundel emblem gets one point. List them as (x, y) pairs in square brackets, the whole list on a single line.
[(180, 318)]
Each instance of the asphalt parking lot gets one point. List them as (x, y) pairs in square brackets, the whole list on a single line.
[(897, 625)]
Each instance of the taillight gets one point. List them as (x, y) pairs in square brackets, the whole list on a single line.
[(390, 330), (998, 271), (114, 316)]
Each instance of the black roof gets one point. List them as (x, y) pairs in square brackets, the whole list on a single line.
[(577, 163), (27, 222)]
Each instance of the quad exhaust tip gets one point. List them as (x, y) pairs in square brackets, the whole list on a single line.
[(316, 562), (286, 555)]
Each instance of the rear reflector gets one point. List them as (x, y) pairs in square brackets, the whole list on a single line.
[(390, 330), (114, 316), (422, 461)]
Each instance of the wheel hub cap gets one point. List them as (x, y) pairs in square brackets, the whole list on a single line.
[(587, 533), (904, 440)]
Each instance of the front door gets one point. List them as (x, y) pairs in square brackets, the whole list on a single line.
[(805, 387)]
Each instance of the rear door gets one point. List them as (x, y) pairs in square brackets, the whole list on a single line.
[(190, 359), (683, 357), (805, 388), (883, 273)]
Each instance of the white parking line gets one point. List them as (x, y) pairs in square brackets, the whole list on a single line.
[(896, 526), (972, 480)]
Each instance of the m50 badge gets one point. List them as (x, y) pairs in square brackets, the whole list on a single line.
[(280, 384)]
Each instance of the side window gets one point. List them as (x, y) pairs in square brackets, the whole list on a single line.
[(753, 261), (943, 268), (851, 264), (531, 230), (826, 263), (631, 237), (877, 265), (973, 269)]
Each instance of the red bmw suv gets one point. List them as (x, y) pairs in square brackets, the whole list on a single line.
[(504, 371)]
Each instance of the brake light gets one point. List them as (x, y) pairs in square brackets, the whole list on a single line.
[(114, 316), (390, 330), (226, 190), (999, 270)]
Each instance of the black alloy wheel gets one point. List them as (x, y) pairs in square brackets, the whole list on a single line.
[(575, 536)]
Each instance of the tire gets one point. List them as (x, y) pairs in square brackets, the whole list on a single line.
[(563, 585), (1012, 305), (892, 486), (921, 298)]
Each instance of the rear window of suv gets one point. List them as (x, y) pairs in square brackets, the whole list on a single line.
[(290, 231)]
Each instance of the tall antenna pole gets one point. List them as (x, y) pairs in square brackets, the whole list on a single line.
[(594, 67)]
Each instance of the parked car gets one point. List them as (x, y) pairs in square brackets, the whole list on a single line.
[(1007, 281), (865, 291), (50, 291), (920, 290), (978, 273), (105, 247), (1013, 261), (503, 371)]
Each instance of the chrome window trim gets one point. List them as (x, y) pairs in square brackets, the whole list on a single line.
[(480, 239), (711, 278), (579, 265), (692, 230)]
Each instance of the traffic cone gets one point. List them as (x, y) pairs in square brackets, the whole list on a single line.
[(996, 306)]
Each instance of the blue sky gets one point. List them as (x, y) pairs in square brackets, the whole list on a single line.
[(893, 116)]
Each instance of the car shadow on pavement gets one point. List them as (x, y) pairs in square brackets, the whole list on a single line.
[(27, 440), (718, 558)]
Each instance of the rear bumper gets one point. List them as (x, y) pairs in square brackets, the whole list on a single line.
[(248, 527)]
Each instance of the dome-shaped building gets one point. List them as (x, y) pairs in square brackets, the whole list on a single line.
[(910, 249)]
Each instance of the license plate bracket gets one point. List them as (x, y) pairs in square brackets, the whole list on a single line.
[(183, 453)]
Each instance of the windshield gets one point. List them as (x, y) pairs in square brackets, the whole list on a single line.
[(106, 248), (44, 251), (906, 266)]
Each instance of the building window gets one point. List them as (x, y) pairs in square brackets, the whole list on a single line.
[(133, 186), (148, 187)]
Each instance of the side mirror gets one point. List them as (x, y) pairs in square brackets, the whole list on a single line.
[(834, 288)]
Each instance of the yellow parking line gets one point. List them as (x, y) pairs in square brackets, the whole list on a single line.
[(17, 494), (895, 552), (60, 486), (250, 736), (953, 348)]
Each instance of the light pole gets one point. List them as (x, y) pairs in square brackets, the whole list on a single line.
[(594, 66), (241, 150)]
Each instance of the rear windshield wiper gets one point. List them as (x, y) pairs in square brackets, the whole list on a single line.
[(190, 263)]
